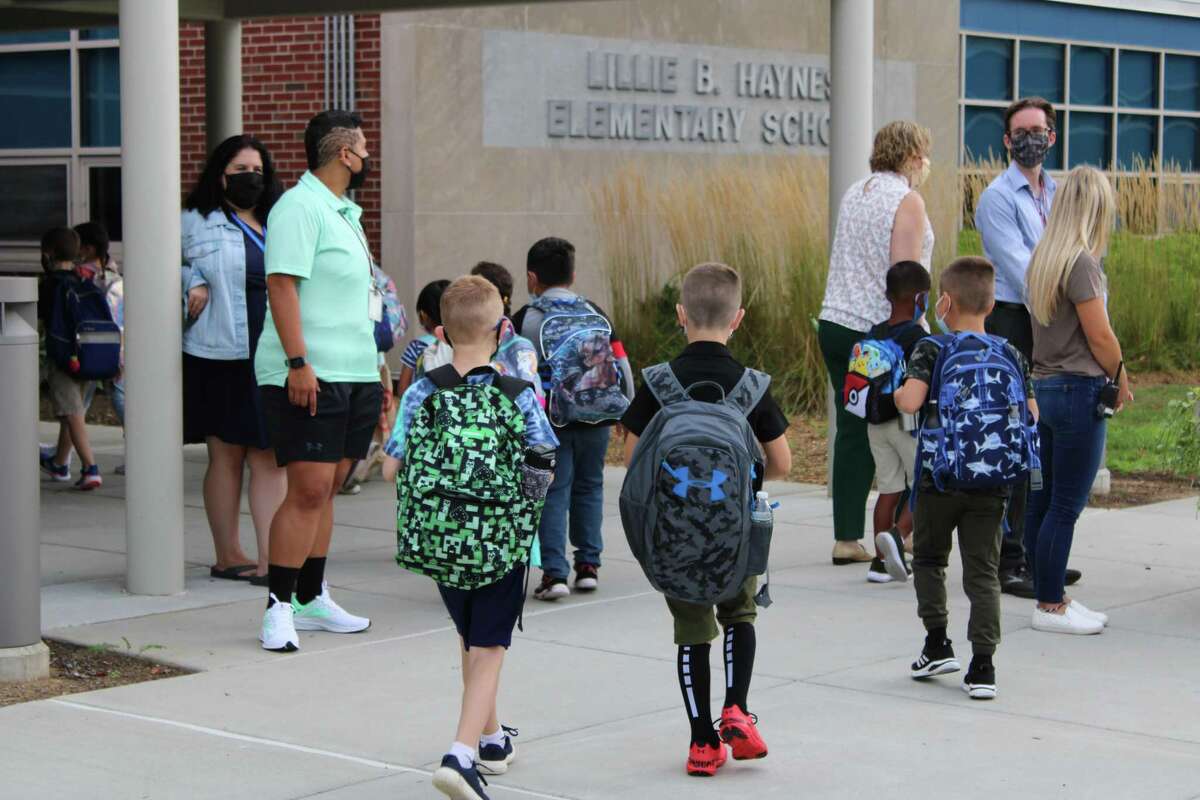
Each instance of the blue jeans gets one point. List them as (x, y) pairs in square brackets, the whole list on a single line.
[(1072, 446), (578, 488)]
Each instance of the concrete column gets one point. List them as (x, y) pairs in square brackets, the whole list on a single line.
[(223, 80), (851, 109), (150, 198)]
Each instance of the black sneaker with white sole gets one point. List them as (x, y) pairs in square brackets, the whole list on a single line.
[(937, 658), (890, 546), (458, 783), (877, 572), (980, 681)]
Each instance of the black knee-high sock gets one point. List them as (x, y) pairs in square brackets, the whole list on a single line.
[(739, 662), (695, 682), (281, 582), (308, 582)]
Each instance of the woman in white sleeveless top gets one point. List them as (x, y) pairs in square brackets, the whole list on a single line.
[(881, 221)]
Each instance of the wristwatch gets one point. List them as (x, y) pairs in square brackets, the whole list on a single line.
[(296, 363)]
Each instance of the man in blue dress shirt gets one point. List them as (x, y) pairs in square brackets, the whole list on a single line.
[(1011, 216)]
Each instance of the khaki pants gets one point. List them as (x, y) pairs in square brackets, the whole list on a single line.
[(977, 518)]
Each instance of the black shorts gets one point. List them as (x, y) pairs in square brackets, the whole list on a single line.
[(485, 616), (347, 414)]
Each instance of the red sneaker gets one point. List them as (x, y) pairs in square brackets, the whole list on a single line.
[(738, 730), (704, 760)]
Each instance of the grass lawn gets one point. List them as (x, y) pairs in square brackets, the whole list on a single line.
[(1135, 434)]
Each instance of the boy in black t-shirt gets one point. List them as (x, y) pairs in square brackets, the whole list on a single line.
[(967, 294), (710, 312), (892, 444)]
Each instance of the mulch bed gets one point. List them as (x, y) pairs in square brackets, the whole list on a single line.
[(75, 669)]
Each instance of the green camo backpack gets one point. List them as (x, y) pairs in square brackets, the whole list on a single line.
[(463, 519)]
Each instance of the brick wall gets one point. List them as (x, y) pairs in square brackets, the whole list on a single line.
[(283, 86)]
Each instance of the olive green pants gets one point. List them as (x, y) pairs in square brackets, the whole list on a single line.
[(853, 466), (696, 624), (977, 518)]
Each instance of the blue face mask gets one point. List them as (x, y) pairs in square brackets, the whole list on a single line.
[(941, 321), (921, 303)]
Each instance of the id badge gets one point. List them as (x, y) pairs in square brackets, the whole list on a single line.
[(375, 306)]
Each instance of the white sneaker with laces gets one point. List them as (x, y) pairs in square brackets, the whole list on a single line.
[(1087, 612), (278, 629), (1070, 621), (323, 614)]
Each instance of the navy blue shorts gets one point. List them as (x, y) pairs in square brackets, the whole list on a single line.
[(485, 617)]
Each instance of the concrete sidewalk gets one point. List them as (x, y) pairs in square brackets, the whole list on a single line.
[(591, 681)]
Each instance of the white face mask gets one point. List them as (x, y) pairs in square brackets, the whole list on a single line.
[(921, 175)]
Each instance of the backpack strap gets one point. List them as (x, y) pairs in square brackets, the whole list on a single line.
[(749, 391), (445, 377), (661, 381), (511, 387)]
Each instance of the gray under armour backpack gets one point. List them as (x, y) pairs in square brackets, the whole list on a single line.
[(688, 495)]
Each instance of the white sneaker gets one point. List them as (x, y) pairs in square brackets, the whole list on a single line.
[(323, 614), (1070, 621), (1087, 612), (278, 629)]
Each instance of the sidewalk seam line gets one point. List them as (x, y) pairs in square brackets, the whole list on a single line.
[(299, 748)]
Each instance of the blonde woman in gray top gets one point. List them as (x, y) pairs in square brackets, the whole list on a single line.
[(1080, 380)]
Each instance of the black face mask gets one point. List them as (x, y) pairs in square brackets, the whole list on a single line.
[(243, 189), (357, 179)]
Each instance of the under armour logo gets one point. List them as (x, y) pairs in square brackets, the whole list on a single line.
[(314, 447), (683, 475)]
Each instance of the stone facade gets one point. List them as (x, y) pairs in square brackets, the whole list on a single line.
[(450, 199)]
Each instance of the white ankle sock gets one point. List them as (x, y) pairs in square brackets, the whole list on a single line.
[(464, 754), (496, 738)]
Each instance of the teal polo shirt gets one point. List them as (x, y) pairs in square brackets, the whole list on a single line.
[(316, 236)]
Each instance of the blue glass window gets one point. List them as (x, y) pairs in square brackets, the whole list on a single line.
[(983, 134), (1042, 70), (100, 97), (92, 34), (34, 37), (104, 199), (1090, 138), (1138, 85), (1181, 143), (1137, 140), (34, 199), (989, 68), (1183, 83), (1091, 76), (35, 99)]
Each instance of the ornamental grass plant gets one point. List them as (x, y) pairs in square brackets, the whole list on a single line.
[(768, 218)]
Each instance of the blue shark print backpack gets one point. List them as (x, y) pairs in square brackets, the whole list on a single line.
[(977, 432)]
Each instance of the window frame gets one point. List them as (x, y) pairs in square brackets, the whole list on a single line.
[(1064, 109), (77, 158)]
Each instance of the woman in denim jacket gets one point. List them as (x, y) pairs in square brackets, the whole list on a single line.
[(225, 300)]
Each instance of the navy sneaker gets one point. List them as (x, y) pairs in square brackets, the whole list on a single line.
[(458, 783), (89, 478), (57, 472), (494, 758)]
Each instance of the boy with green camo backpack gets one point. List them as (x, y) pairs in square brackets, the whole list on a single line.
[(475, 456)]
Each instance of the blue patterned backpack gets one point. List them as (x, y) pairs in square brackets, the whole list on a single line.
[(582, 380), (977, 431)]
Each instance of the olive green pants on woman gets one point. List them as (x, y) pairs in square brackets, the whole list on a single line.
[(853, 467)]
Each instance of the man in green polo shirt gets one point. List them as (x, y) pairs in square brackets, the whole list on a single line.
[(317, 370)]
